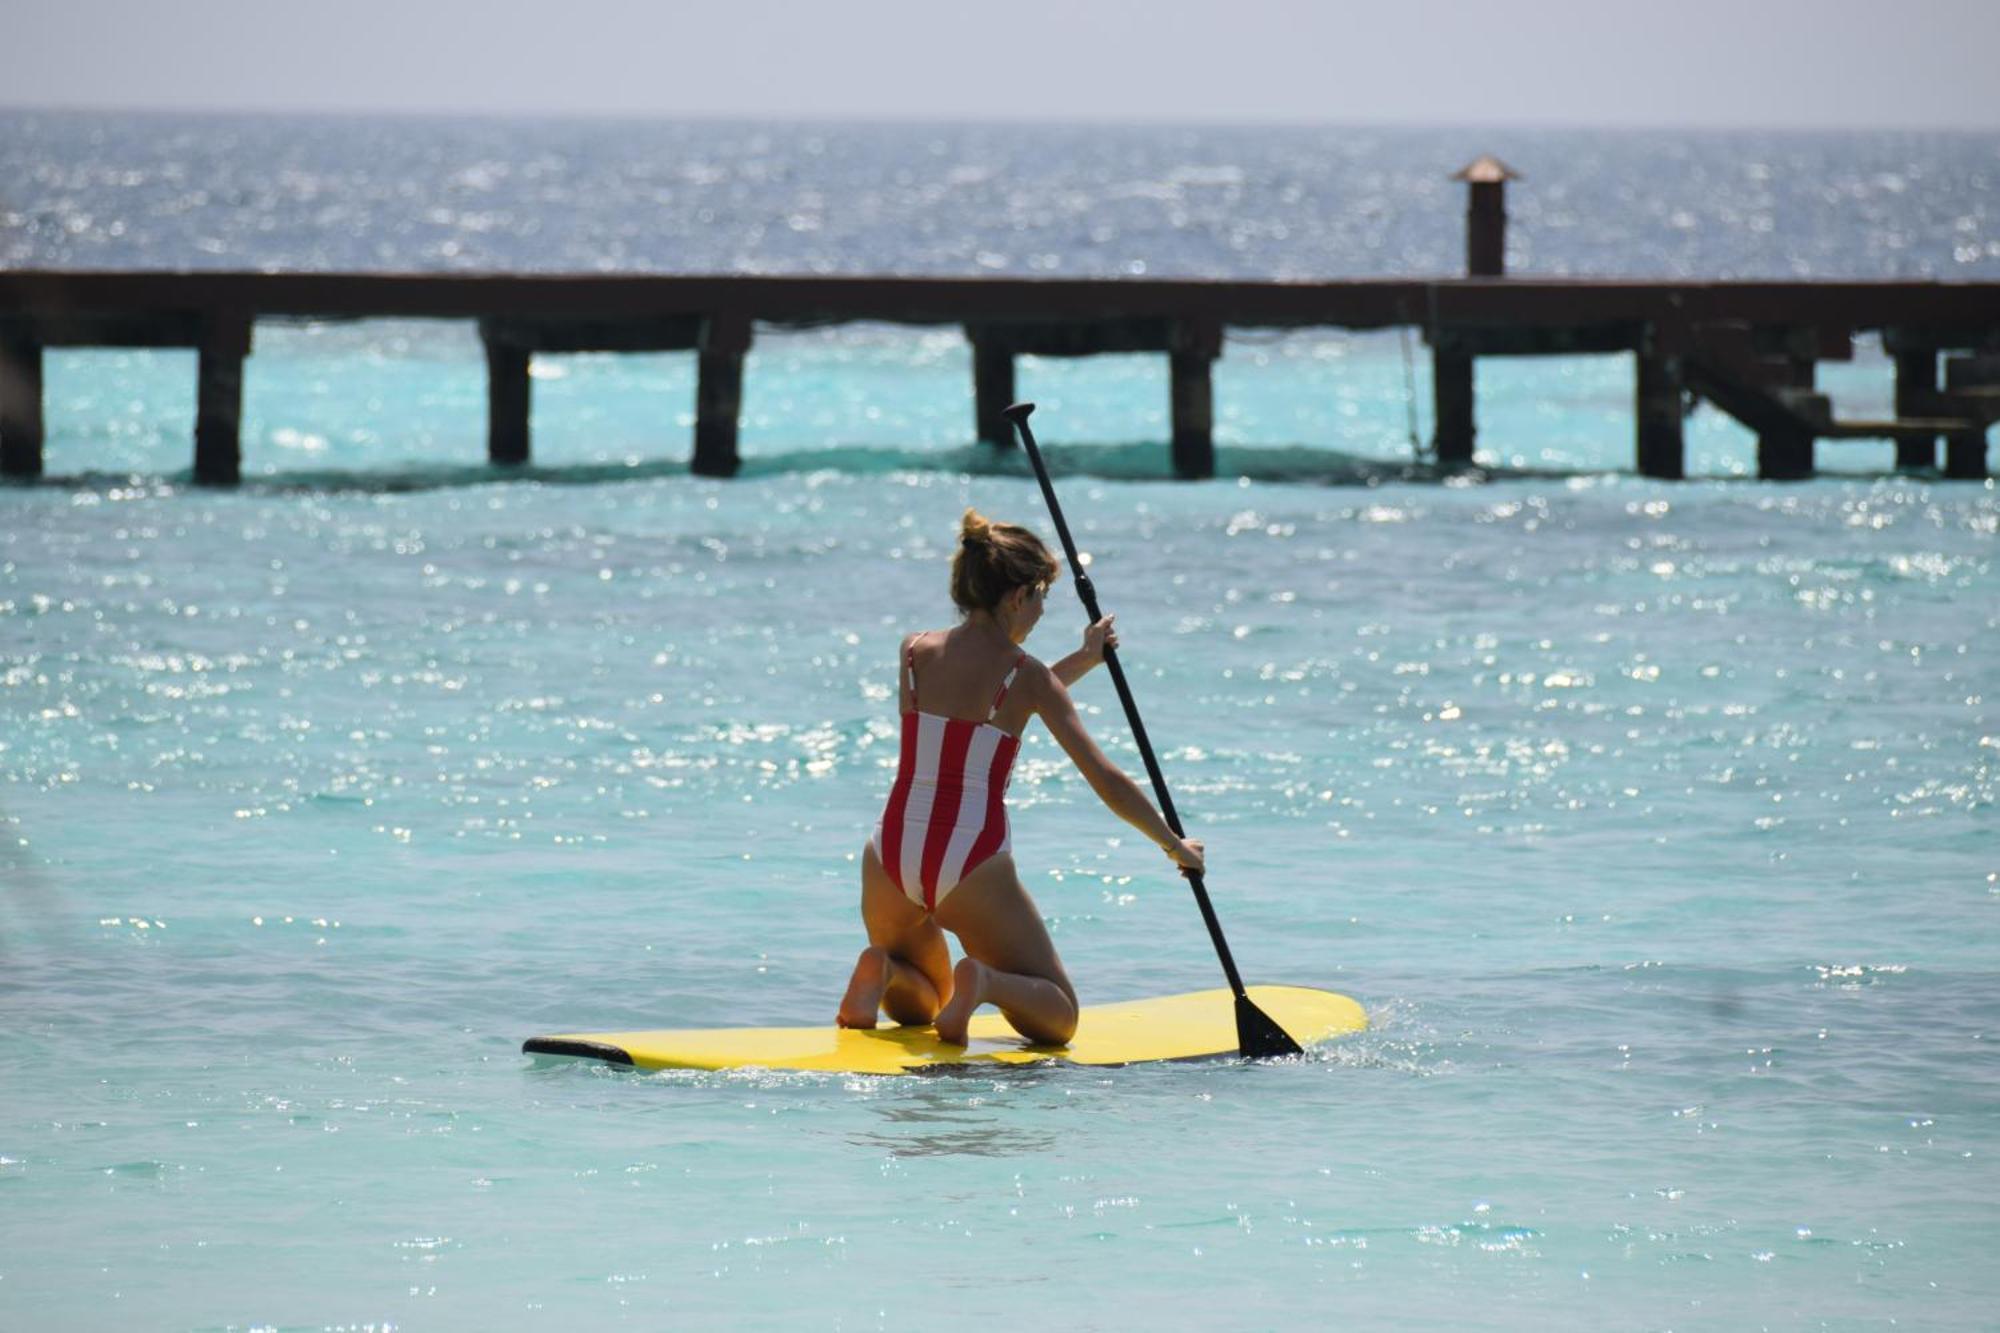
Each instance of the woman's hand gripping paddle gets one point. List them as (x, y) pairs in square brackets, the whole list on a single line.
[(1258, 1037)]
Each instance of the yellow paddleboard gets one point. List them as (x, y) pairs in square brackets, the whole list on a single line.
[(1173, 1027)]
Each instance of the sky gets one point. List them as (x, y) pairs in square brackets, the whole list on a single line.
[(1781, 64)]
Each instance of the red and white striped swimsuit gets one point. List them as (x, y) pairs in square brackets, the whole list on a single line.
[(947, 812)]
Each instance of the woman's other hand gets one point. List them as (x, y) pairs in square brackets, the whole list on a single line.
[(1187, 853), (1098, 637)]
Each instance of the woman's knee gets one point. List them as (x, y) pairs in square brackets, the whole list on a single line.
[(1057, 1029), (1056, 1023)]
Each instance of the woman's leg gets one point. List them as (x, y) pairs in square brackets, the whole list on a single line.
[(906, 968), (1010, 961)]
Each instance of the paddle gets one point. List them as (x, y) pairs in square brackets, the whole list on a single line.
[(1258, 1037)]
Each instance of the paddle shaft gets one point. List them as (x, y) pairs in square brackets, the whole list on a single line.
[(1088, 592)]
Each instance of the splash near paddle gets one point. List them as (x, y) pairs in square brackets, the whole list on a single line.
[(1195, 1026)]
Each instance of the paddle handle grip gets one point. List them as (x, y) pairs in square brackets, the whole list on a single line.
[(1087, 592)]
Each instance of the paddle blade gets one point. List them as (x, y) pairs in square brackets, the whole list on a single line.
[(1258, 1037)]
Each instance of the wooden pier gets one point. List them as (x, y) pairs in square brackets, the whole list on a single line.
[(1750, 348)]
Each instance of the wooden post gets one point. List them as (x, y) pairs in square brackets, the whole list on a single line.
[(718, 395), (1916, 387), (1486, 216), (1486, 230), (218, 401), (1195, 346), (1662, 442), (1785, 455), (1965, 455), (509, 402), (20, 407), (1965, 452), (992, 391), (1451, 402)]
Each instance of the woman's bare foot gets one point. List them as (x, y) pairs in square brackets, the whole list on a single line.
[(862, 1005), (968, 992)]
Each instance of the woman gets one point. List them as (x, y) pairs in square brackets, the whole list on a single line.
[(939, 859)]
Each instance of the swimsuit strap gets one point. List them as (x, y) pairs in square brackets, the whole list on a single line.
[(1001, 697), (910, 662)]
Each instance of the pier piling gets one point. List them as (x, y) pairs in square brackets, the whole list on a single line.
[(718, 396), (1451, 402), (20, 407), (218, 401), (1784, 453), (1785, 447), (1972, 386), (1193, 351), (1916, 386), (509, 401), (992, 390), (1658, 396), (1965, 455)]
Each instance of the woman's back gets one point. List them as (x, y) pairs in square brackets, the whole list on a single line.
[(958, 673), (947, 812)]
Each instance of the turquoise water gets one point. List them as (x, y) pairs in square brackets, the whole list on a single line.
[(1654, 824)]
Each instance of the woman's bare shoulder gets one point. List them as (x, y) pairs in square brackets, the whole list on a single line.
[(1039, 679)]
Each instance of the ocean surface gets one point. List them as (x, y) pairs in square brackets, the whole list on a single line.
[(1654, 824)]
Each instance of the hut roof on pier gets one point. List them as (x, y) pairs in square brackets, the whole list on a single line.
[(1486, 169)]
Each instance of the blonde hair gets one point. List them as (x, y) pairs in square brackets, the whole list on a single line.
[(993, 559)]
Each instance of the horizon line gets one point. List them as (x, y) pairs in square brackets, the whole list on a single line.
[(882, 119)]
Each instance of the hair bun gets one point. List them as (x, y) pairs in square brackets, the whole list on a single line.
[(993, 559)]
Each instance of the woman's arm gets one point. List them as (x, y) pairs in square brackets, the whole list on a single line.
[(1111, 783), (1096, 639)]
